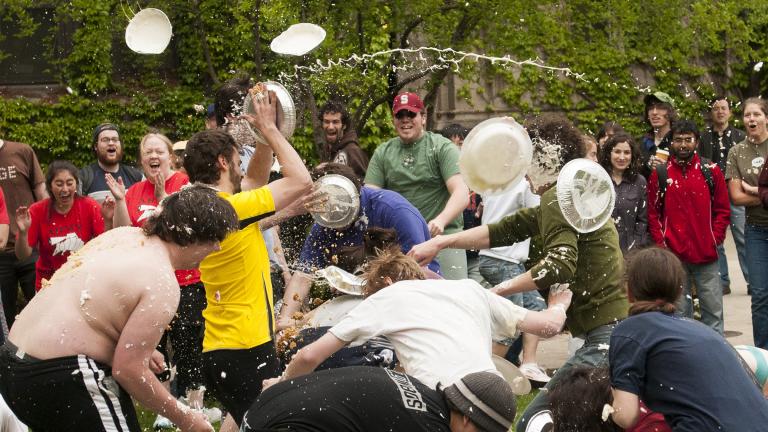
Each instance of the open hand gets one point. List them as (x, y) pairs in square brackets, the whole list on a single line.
[(23, 218), (116, 187)]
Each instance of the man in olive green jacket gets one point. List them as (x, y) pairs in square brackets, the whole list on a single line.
[(591, 263)]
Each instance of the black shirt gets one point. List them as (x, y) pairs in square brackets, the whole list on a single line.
[(349, 399)]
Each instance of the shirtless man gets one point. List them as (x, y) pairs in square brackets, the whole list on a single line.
[(86, 343)]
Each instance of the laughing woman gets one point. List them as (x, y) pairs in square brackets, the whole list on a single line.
[(621, 157), (59, 225), (745, 161), (132, 209)]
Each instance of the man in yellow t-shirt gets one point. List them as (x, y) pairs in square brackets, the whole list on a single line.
[(238, 347)]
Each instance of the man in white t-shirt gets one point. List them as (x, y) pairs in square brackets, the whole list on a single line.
[(441, 329)]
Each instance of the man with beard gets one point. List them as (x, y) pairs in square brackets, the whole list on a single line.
[(238, 349), (109, 155), (688, 213), (340, 140)]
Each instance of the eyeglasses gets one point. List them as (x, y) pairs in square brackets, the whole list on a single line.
[(107, 140), (684, 140), (405, 113)]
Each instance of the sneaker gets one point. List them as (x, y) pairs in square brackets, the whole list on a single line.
[(162, 423), (535, 374), (726, 289), (213, 414)]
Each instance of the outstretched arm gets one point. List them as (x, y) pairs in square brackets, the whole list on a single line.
[(475, 238), (309, 358)]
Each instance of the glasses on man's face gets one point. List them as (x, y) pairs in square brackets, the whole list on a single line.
[(405, 113), (684, 140), (107, 140)]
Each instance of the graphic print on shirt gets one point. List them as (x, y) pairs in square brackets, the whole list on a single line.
[(412, 399), (68, 243), (341, 158)]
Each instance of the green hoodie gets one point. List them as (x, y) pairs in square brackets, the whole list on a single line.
[(591, 263)]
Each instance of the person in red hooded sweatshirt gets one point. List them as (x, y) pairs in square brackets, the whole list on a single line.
[(688, 213)]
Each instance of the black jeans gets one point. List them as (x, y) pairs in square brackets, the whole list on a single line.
[(14, 274)]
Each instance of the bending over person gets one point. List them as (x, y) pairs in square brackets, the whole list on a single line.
[(380, 400), (441, 329)]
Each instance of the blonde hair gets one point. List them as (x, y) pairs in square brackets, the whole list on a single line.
[(159, 136), (390, 263)]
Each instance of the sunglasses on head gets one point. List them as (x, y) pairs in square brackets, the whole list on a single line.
[(405, 113)]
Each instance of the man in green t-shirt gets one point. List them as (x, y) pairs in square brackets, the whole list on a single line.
[(423, 167)]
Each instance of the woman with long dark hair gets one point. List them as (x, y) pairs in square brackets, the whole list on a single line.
[(678, 367), (621, 157), (59, 225)]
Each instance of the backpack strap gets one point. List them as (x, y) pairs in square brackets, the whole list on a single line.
[(706, 170)]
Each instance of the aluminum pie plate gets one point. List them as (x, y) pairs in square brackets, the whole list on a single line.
[(343, 204), (512, 375), (585, 194), (342, 280), (298, 39), (286, 110), (149, 32), (495, 155)]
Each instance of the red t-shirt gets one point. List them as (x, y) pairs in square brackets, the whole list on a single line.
[(56, 235), (141, 202), (4, 219)]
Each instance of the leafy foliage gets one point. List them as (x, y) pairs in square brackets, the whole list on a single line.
[(691, 49)]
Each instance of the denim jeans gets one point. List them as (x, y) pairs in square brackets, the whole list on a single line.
[(756, 238), (473, 271), (708, 291), (496, 271), (738, 221), (594, 352), (15, 274)]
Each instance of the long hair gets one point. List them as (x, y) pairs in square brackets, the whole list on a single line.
[(655, 280), (604, 155)]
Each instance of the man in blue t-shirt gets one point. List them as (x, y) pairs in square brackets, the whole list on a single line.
[(379, 208)]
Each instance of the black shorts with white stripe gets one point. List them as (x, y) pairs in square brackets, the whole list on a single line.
[(73, 393)]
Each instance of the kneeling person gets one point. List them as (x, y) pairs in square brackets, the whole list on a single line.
[(375, 399), (85, 344)]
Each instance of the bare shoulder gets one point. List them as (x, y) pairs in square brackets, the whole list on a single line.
[(122, 259)]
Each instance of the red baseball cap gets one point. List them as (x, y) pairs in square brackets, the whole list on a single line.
[(407, 101)]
